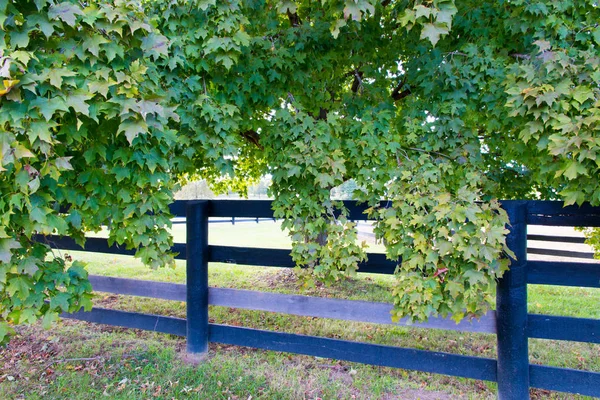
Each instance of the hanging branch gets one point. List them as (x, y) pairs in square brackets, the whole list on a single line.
[(358, 82), (252, 137), (294, 19), (398, 93)]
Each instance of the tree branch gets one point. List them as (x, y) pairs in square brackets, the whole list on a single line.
[(322, 113), (294, 18), (358, 83), (398, 93), (252, 137), (430, 152), (521, 56)]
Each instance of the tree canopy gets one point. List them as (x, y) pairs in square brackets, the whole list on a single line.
[(440, 107)]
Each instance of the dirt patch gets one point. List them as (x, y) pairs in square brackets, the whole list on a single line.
[(106, 300), (282, 278), (419, 394), (27, 355)]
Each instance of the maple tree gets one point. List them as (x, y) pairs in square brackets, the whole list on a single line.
[(440, 107)]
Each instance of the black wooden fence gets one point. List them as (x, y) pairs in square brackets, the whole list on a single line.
[(511, 322)]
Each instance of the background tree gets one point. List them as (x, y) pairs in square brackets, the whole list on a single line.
[(438, 107)]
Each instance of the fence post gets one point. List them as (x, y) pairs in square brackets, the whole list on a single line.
[(197, 280), (511, 311)]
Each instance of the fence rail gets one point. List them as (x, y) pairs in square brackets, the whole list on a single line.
[(511, 322), (307, 306)]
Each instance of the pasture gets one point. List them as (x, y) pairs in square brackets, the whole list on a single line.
[(81, 360)]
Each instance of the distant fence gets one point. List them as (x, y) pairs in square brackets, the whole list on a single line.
[(231, 220), (510, 322)]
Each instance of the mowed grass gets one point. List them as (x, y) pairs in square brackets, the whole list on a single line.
[(77, 360)]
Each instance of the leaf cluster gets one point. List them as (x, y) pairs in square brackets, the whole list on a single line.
[(440, 107)]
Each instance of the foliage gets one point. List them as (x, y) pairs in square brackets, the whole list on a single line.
[(439, 106), (83, 128)]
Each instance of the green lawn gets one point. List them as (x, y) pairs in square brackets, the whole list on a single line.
[(85, 361)]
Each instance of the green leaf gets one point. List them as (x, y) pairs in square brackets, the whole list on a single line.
[(121, 173), (49, 318), (574, 170), (132, 129), (474, 276), (101, 87), (5, 331), (241, 38), (433, 32), (422, 11), (47, 27), (28, 265), (77, 100), (408, 19), (77, 271), (60, 301), (37, 214), (66, 12), (93, 43), (63, 163), (205, 4), (287, 6), (573, 197), (155, 45), (19, 286), (596, 35), (352, 11), (74, 218), (47, 107), (22, 152), (56, 76), (446, 14), (325, 180), (34, 185), (583, 93), (455, 289), (41, 130), (19, 39), (226, 60), (336, 26), (6, 245)]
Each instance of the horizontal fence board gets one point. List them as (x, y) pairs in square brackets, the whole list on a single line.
[(178, 207), (563, 273), (560, 253), (241, 208), (386, 356), (565, 380), (126, 319), (251, 256), (135, 287), (554, 214), (98, 245), (95, 245), (262, 209), (376, 264), (539, 212), (561, 239), (348, 310), (563, 328), (356, 211), (259, 208)]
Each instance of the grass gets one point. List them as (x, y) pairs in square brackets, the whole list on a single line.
[(85, 361)]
